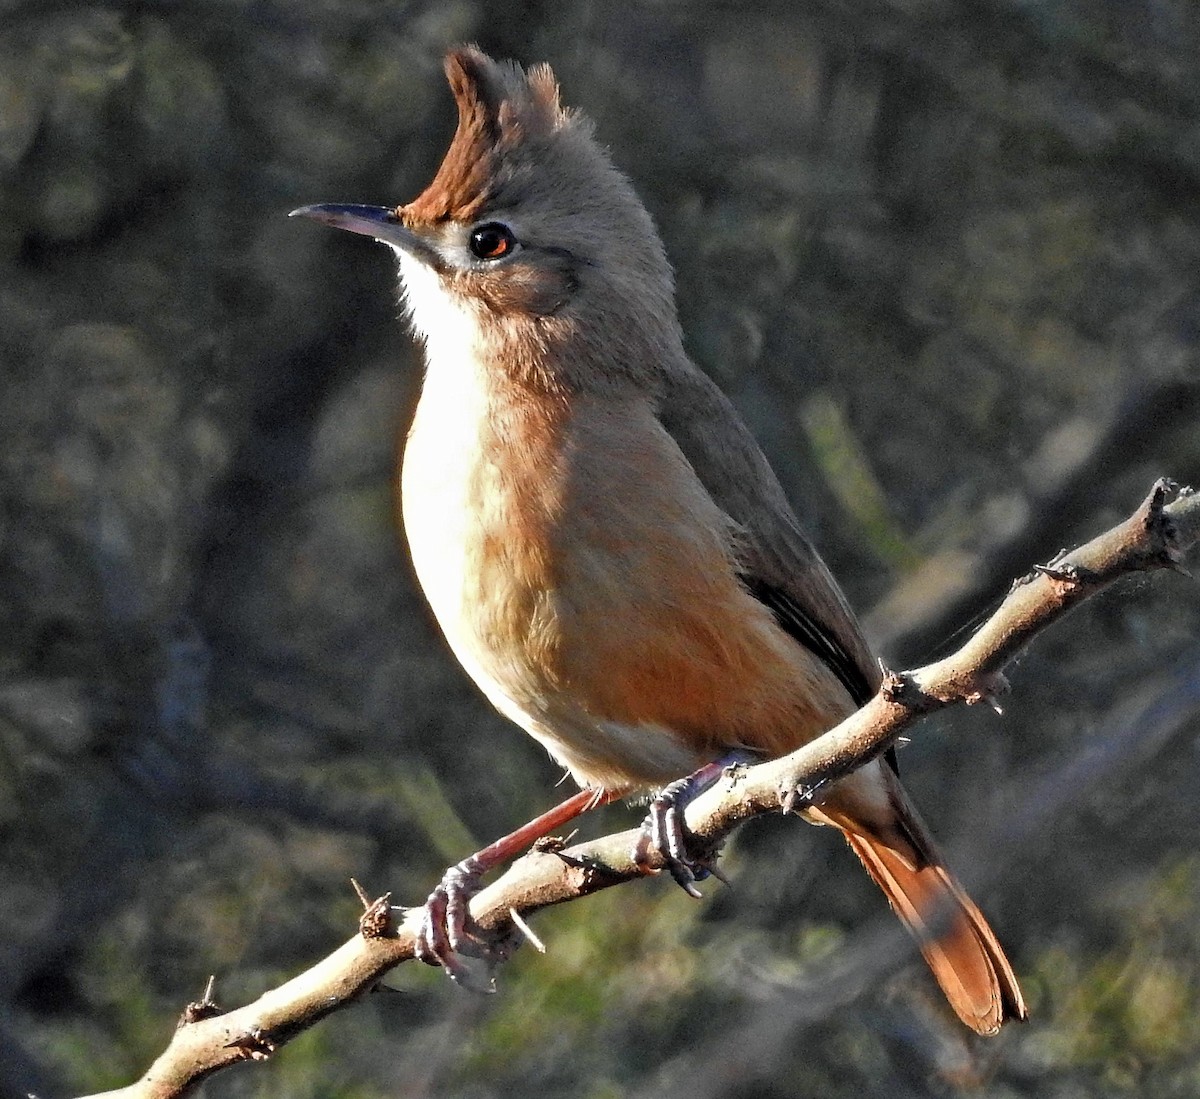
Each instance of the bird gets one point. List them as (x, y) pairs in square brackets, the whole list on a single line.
[(604, 545)]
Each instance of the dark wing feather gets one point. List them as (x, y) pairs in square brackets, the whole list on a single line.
[(776, 561), (793, 619)]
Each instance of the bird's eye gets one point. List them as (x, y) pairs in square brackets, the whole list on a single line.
[(491, 241)]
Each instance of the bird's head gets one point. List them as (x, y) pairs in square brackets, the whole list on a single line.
[(527, 230)]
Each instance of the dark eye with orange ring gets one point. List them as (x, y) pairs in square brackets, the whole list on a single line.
[(493, 240)]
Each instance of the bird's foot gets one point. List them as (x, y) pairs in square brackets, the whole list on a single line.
[(445, 937), (448, 936), (665, 831)]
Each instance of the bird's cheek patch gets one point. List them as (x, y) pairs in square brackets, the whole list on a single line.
[(533, 289)]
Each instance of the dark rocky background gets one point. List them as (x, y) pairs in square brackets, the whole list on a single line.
[(943, 255)]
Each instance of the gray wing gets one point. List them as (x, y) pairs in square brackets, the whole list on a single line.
[(778, 564)]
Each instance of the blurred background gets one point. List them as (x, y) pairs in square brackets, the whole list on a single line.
[(945, 257)]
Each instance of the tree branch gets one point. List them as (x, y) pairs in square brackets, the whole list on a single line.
[(1155, 537)]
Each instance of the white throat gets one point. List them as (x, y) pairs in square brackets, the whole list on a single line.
[(443, 322)]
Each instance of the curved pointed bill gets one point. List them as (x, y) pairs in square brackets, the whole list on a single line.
[(379, 222)]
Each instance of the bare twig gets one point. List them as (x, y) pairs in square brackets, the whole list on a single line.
[(925, 605), (1156, 536)]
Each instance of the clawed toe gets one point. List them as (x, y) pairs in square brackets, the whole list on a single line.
[(443, 938), (663, 831)]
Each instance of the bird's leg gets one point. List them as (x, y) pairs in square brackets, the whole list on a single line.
[(443, 933), (663, 829)]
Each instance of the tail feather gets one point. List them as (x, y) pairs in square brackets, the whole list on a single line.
[(885, 832), (955, 939)]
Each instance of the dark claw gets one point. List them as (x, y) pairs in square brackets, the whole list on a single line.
[(719, 874)]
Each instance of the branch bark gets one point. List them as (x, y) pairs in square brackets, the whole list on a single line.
[(1156, 536)]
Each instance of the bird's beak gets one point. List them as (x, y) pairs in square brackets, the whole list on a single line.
[(380, 222)]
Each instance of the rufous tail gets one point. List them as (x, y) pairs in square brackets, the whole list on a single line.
[(955, 939)]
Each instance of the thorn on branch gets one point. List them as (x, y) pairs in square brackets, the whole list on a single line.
[(1152, 506), (593, 873), (1161, 528), (735, 773), (1055, 560), (254, 1045), (549, 845), (376, 920), (201, 1009), (899, 687), (1066, 575), (988, 688), (520, 924), (795, 799), (1154, 519)]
